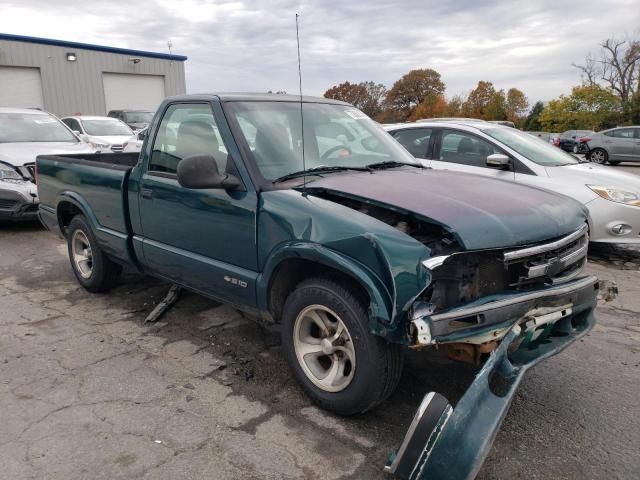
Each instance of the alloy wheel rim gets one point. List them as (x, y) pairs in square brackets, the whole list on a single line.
[(324, 348), (598, 156), (82, 255)]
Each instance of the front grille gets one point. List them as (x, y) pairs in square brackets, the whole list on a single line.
[(467, 276), (7, 204), (552, 262), (117, 148)]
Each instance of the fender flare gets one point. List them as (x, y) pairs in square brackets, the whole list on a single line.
[(79, 202), (381, 300)]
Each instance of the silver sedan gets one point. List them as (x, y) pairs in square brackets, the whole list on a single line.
[(611, 196), (615, 145)]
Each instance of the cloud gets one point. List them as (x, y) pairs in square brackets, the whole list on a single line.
[(251, 46)]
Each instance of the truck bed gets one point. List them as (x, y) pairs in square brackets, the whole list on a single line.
[(97, 185)]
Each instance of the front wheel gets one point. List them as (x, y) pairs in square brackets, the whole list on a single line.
[(576, 149), (341, 365), (94, 270), (598, 155)]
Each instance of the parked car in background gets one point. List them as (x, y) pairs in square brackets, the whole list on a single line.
[(103, 133), (135, 119), (24, 134), (612, 197), (615, 145), (569, 141), (546, 136), (134, 144), (360, 255)]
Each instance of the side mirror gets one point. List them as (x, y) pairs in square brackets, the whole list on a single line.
[(84, 137), (499, 160), (201, 171), (142, 134), (77, 132)]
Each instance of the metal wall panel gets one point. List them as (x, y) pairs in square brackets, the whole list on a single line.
[(77, 87)]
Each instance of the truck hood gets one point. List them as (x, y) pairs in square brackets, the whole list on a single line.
[(594, 174), (19, 154), (481, 212)]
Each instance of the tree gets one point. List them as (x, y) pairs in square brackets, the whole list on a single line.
[(516, 105), (454, 107), (352, 93), (588, 107), (408, 92), (532, 123), (367, 96), (431, 106), (485, 102), (376, 93), (617, 68)]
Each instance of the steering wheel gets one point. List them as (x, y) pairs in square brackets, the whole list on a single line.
[(335, 149)]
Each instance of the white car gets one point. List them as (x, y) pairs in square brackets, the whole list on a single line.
[(611, 196), (103, 133), (134, 144), (24, 134)]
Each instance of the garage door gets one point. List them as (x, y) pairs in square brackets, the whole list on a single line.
[(134, 92), (20, 87)]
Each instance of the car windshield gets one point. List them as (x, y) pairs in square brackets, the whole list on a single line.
[(105, 127), (138, 117), (531, 147), (33, 127), (334, 136)]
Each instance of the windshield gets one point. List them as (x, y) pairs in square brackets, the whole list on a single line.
[(105, 127), (33, 127), (531, 147), (138, 117), (334, 136)]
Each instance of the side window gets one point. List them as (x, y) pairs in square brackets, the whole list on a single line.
[(185, 130), (623, 133), (466, 149), (69, 122), (637, 133), (415, 140)]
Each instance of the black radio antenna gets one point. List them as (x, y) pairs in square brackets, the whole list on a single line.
[(304, 166)]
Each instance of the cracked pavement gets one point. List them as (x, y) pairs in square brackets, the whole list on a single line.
[(88, 391)]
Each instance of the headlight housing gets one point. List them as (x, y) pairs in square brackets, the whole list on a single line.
[(10, 174), (617, 195), (99, 145)]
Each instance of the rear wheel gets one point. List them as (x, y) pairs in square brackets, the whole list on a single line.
[(94, 270), (576, 149), (598, 155), (341, 365)]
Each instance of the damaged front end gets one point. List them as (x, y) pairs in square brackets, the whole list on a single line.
[(506, 310)]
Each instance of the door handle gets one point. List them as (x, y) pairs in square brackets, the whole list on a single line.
[(147, 193)]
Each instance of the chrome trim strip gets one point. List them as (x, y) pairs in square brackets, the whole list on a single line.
[(538, 249), (435, 262), (549, 292), (570, 259)]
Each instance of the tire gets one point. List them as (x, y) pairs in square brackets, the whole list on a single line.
[(93, 269), (599, 155), (368, 368), (575, 148)]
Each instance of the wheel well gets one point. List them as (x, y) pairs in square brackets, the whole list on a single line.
[(66, 212), (289, 273)]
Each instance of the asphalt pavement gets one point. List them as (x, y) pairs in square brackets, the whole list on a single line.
[(89, 391)]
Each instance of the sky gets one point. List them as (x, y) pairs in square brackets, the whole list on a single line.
[(251, 45)]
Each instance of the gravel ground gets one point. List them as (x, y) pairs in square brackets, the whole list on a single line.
[(88, 391)]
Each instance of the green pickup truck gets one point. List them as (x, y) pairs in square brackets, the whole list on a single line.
[(305, 213)]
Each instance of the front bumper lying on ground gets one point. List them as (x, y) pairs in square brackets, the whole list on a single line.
[(452, 443)]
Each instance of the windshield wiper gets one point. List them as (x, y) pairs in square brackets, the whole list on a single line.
[(318, 171), (392, 164)]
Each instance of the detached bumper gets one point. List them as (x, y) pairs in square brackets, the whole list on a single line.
[(452, 443), (18, 201)]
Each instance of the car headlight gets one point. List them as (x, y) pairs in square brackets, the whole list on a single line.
[(99, 145), (617, 195), (10, 174)]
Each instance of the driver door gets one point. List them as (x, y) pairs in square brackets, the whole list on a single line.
[(203, 239)]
